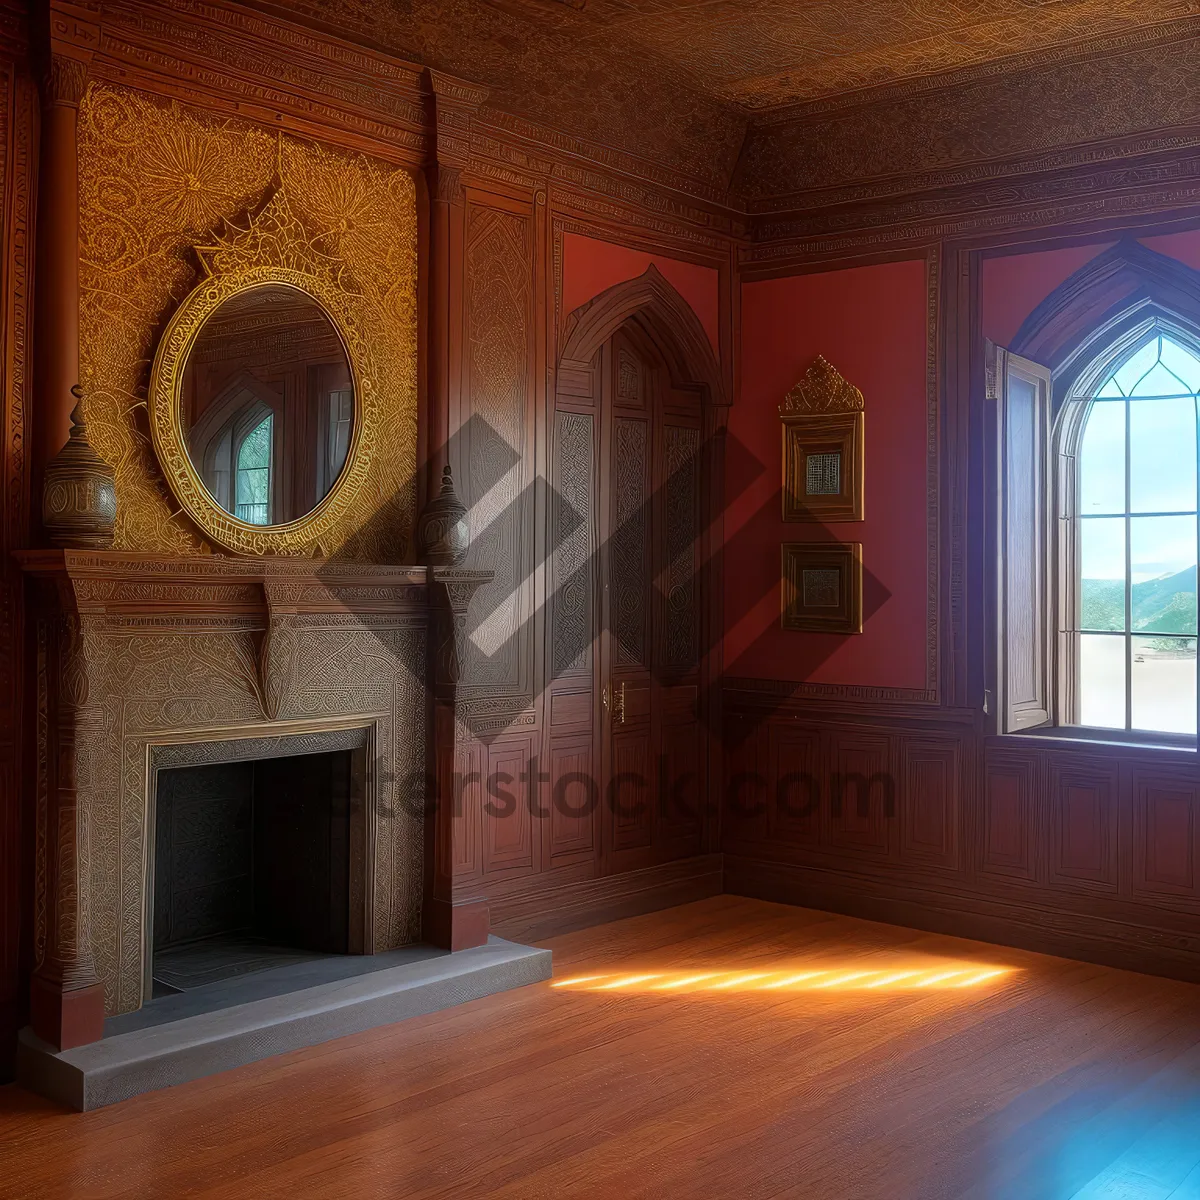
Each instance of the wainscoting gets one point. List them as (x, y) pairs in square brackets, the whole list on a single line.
[(1086, 851)]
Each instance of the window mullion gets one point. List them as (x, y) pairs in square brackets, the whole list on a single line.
[(1128, 573)]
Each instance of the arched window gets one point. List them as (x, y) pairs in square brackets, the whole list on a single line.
[(254, 474), (1136, 541)]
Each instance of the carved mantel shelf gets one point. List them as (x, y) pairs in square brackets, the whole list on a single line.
[(121, 581), (134, 650)]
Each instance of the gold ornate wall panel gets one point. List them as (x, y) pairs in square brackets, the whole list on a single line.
[(157, 179)]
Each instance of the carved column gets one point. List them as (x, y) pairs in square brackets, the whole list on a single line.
[(66, 998), (452, 921), (452, 104), (56, 308)]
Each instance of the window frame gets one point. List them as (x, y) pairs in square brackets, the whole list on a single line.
[(244, 425), (1069, 425)]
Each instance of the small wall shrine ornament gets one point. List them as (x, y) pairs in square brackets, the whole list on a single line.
[(821, 586), (823, 424)]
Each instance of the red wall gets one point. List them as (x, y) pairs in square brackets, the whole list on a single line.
[(1013, 285), (870, 323), (590, 266)]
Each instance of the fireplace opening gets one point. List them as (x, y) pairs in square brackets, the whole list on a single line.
[(254, 867)]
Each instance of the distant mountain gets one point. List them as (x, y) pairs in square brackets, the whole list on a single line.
[(1163, 605)]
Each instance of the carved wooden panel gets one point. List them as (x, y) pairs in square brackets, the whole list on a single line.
[(631, 382), (798, 784), (930, 787), (575, 800), (18, 115), (498, 321), (1010, 833), (571, 709), (470, 795), (862, 799), (573, 568), (508, 825), (680, 783), (631, 795), (629, 541), (1083, 824), (681, 498), (745, 819), (1166, 833)]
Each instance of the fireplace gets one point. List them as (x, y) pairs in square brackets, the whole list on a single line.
[(257, 862), (146, 665)]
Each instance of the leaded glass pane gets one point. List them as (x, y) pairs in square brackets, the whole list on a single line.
[(1102, 680), (1181, 363), (1162, 455), (1163, 683), (1128, 376), (1102, 463), (254, 474)]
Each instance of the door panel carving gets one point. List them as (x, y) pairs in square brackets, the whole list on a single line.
[(629, 542)]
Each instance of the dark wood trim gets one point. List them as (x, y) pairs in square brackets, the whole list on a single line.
[(540, 913), (662, 314)]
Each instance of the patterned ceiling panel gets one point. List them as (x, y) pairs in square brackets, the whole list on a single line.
[(765, 53), (534, 57), (780, 98), (946, 135)]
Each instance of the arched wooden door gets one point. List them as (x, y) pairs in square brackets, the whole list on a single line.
[(650, 519), (626, 615)]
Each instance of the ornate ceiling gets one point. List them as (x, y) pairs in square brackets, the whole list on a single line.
[(791, 100), (761, 54)]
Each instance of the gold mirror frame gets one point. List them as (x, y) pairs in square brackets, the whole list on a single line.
[(229, 275)]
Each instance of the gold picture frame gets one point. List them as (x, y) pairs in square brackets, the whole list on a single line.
[(823, 447), (821, 587), (273, 250)]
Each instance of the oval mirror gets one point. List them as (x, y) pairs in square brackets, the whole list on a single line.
[(267, 405)]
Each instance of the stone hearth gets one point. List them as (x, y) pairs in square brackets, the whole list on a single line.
[(145, 663)]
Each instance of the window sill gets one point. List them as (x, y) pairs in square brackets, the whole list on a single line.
[(1080, 736)]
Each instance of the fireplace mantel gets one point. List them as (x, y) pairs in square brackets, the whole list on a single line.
[(135, 651)]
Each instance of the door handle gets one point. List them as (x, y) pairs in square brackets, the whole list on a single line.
[(609, 697)]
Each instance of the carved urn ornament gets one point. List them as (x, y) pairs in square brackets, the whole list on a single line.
[(79, 495), (443, 536)]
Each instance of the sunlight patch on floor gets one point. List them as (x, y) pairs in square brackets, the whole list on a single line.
[(892, 977)]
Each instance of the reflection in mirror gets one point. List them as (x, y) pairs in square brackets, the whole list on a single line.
[(268, 405)]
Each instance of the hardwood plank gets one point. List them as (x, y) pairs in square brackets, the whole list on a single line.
[(1060, 1079)]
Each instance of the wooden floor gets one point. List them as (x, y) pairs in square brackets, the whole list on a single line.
[(1059, 1079)]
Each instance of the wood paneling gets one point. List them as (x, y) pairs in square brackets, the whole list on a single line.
[(18, 124), (797, 797), (1166, 835), (508, 840), (574, 800), (930, 787), (1026, 841), (1009, 838), (1083, 817), (860, 778)]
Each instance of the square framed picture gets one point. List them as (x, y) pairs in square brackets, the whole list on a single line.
[(821, 587), (823, 467)]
